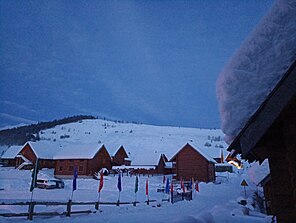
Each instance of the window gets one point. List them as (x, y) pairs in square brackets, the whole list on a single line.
[(61, 168), (70, 168), (80, 168)]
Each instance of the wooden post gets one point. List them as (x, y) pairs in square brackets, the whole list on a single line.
[(172, 197), (97, 205), (69, 204), (31, 210)]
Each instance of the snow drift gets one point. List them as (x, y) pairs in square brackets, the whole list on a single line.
[(256, 67)]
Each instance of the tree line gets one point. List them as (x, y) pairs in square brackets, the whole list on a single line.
[(22, 134)]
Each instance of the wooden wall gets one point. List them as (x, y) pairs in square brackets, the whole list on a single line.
[(280, 141), (28, 153), (100, 160), (189, 163), (65, 167), (119, 157)]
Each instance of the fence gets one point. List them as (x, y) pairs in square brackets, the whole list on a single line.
[(175, 197), (69, 204)]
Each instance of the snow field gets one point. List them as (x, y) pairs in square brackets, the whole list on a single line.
[(214, 203)]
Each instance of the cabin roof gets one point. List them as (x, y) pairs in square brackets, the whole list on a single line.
[(11, 152), (198, 150), (81, 151)]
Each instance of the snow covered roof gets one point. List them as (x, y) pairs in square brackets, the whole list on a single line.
[(75, 151), (200, 151), (256, 67), (168, 165), (11, 152), (45, 149)]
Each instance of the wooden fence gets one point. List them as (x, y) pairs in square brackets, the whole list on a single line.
[(175, 197), (69, 204)]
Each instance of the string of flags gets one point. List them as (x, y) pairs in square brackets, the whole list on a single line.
[(168, 186)]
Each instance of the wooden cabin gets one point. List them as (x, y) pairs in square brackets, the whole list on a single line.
[(164, 166), (88, 159), (270, 133), (44, 151), (121, 158), (192, 163), (9, 156)]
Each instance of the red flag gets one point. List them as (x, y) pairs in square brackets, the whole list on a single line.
[(147, 187), (182, 185), (163, 180), (196, 186), (101, 181), (172, 187), (222, 157)]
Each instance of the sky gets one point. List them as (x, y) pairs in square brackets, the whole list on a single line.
[(154, 62)]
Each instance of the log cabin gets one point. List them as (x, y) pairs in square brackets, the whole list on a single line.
[(9, 157), (88, 159), (44, 151), (121, 158), (190, 162)]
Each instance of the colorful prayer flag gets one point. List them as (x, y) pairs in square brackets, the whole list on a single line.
[(136, 184), (101, 181), (119, 182), (222, 157), (167, 186), (182, 185), (147, 187), (191, 182), (196, 186), (75, 175), (34, 176)]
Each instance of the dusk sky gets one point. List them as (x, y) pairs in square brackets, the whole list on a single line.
[(154, 62)]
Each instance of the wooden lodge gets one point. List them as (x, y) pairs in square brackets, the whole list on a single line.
[(8, 158), (88, 159), (189, 162), (121, 158)]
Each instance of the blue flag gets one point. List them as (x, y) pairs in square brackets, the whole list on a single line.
[(119, 182), (74, 178), (167, 186)]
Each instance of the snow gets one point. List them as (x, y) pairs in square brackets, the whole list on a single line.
[(45, 149), (11, 152), (80, 151), (257, 172), (144, 144), (256, 67), (214, 203)]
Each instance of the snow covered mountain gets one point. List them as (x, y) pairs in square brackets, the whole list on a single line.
[(144, 143)]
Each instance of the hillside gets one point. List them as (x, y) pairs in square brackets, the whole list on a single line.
[(22, 134), (144, 143), (139, 140)]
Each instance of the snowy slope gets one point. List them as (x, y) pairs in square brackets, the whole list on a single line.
[(143, 143), (257, 66)]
